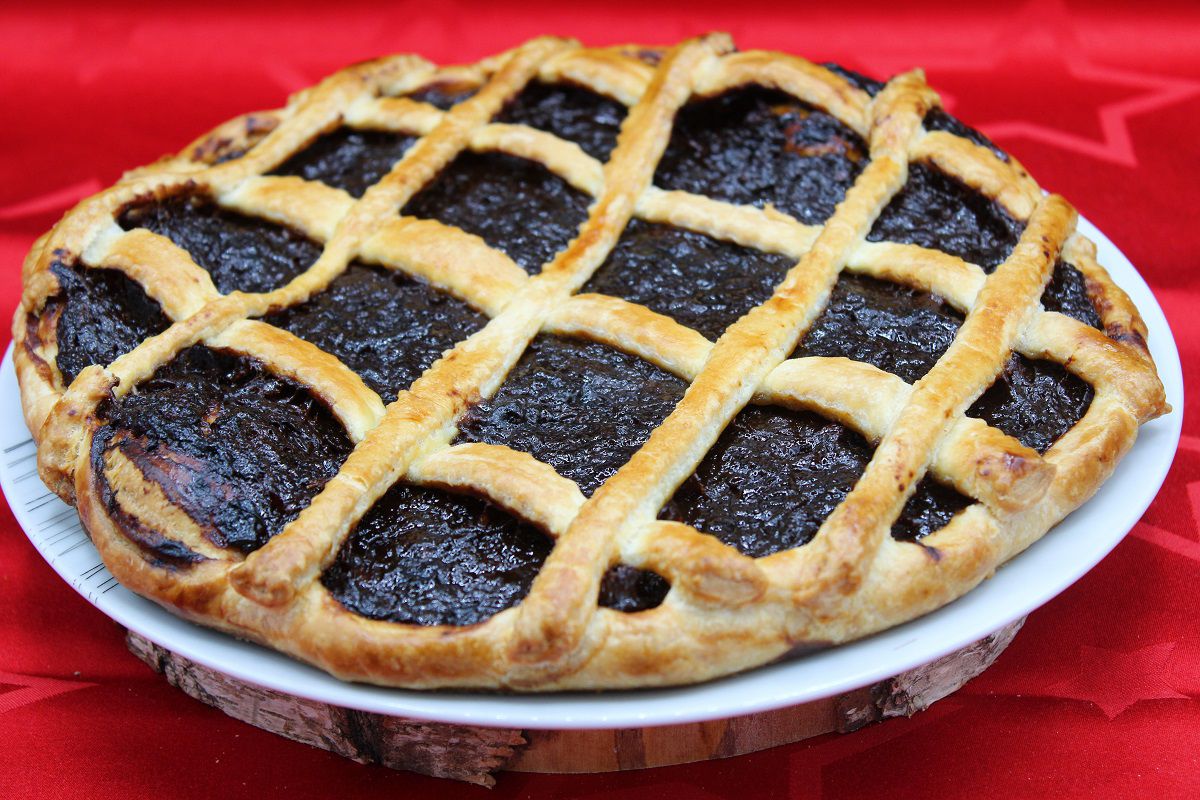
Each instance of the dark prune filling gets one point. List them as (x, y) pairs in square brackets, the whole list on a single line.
[(383, 324), (774, 475), (1067, 294), (444, 95), (514, 204), (428, 557), (698, 281), (158, 548), (855, 79), (756, 146), (629, 589), (102, 314), (242, 451), (569, 112), (938, 120), (904, 331), (1034, 401), (348, 159), (579, 406), (897, 328), (930, 508), (936, 211), (1067, 290), (241, 253)]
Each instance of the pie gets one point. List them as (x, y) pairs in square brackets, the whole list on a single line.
[(575, 368)]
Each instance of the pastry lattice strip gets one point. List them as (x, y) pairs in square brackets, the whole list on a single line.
[(719, 592)]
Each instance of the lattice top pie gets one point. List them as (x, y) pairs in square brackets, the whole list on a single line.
[(575, 367)]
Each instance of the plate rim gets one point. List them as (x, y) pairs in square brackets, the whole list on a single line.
[(764, 688)]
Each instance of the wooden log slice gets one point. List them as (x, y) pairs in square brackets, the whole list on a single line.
[(475, 754)]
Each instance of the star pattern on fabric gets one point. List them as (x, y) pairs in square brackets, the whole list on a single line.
[(28, 689), (1177, 543), (812, 757), (1192, 443), (1075, 104), (1113, 680)]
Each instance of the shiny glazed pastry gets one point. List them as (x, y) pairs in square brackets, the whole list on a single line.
[(575, 368)]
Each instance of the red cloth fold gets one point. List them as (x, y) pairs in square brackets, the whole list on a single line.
[(1098, 696)]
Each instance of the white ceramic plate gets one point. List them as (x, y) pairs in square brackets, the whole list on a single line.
[(1025, 583)]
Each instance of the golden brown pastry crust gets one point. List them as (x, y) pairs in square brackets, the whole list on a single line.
[(725, 611)]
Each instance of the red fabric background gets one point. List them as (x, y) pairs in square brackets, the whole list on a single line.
[(1099, 695)]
